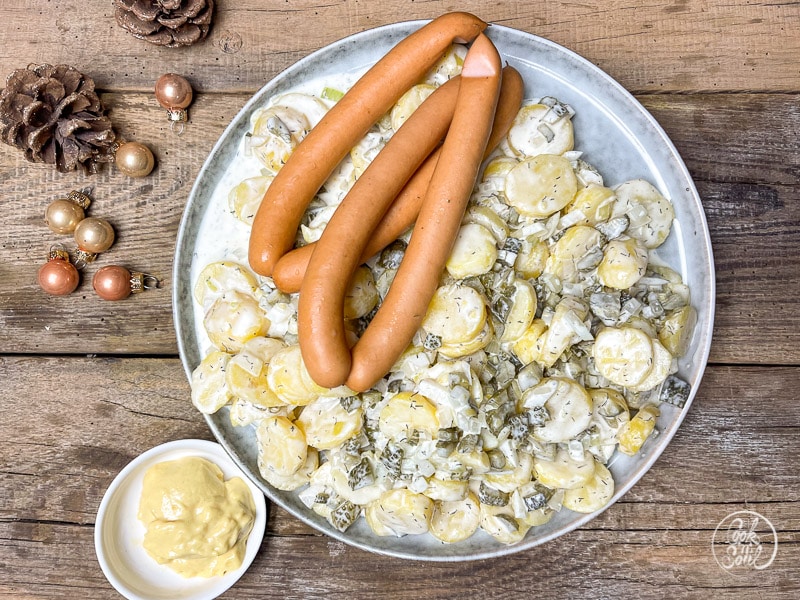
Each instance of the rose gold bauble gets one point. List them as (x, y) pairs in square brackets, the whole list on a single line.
[(58, 277), (112, 283), (94, 235), (63, 216), (173, 91), (134, 159)]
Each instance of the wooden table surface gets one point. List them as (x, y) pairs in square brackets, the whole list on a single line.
[(87, 385)]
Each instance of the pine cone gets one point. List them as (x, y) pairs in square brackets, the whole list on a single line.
[(54, 115), (166, 22)]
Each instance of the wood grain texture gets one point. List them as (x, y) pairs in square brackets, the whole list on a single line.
[(732, 452), (88, 385), (698, 45), (748, 176)]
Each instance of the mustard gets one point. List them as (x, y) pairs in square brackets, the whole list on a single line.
[(196, 523)]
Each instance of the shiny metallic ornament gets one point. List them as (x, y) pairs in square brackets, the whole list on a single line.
[(134, 159), (174, 93), (117, 283), (63, 215), (58, 276), (93, 236)]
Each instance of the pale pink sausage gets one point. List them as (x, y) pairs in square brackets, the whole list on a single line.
[(406, 303), (289, 271), (277, 219), (320, 314)]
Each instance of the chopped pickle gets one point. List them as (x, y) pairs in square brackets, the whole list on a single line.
[(552, 322)]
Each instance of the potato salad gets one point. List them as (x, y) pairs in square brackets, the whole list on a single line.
[(548, 347)]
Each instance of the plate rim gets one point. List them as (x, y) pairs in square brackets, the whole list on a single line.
[(705, 332)]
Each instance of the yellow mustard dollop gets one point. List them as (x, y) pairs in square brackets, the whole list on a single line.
[(196, 522)]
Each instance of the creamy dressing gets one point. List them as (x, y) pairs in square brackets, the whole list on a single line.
[(450, 438), (221, 236), (196, 523)]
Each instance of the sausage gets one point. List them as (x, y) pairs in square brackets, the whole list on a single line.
[(406, 303), (320, 312), (289, 271), (277, 219)]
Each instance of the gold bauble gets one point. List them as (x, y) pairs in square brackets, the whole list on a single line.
[(63, 216), (135, 159), (94, 235)]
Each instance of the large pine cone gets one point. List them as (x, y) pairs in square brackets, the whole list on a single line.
[(166, 22), (54, 115)]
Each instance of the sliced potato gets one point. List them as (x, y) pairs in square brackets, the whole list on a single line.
[(399, 512), (327, 424), (523, 309), (223, 276), (289, 379), (210, 390), (568, 405), (408, 103), (528, 346), (624, 263), (532, 258), (457, 314), (565, 255), (362, 296), (540, 186), (595, 202), (651, 214), (676, 332), (406, 412), (474, 252), (455, 520), (633, 436), (282, 446), (233, 319), (500, 523), (623, 355), (594, 495), (246, 379), (245, 198), (538, 130), (564, 472), (662, 361)]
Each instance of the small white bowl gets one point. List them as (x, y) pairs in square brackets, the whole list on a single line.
[(118, 532)]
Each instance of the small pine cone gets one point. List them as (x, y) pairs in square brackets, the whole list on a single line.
[(166, 22), (54, 116)]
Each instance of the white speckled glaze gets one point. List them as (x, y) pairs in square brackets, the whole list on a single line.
[(616, 134)]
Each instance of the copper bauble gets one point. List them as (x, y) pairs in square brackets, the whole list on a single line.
[(63, 216), (173, 91), (112, 283), (135, 159), (94, 235), (58, 277)]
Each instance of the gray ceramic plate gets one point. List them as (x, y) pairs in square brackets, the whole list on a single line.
[(616, 134)]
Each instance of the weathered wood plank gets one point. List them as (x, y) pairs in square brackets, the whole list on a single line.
[(145, 214), (90, 417), (54, 560), (745, 160), (70, 424), (651, 46), (747, 176)]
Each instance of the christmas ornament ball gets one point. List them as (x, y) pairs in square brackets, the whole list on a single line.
[(63, 216), (173, 91), (134, 159), (94, 235), (112, 282), (58, 277)]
